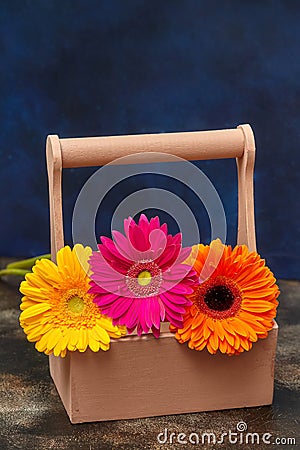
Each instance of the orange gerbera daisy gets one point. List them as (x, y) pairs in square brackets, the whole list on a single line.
[(235, 302)]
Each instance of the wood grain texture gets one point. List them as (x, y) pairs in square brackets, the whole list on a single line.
[(233, 143), (54, 167), (144, 377), (197, 145), (245, 166)]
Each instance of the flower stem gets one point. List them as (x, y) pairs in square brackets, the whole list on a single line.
[(26, 263), (20, 272)]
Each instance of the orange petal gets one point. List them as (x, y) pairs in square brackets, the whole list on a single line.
[(201, 346), (210, 349), (214, 341), (206, 331), (219, 329), (223, 346), (229, 338)]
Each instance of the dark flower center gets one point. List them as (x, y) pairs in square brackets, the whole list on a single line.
[(219, 298)]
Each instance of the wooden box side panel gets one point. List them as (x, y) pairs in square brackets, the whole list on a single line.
[(143, 377), (60, 373)]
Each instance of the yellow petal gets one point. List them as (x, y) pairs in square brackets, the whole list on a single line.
[(82, 340), (53, 337), (93, 344), (101, 334), (63, 353), (104, 347), (37, 331), (83, 254), (26, 304), (106, 323), (57, 349), (34, 293), (73, 337), (34, 310)]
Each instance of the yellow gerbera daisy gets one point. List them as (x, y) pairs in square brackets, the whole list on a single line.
[(235, 302), (58, 313)]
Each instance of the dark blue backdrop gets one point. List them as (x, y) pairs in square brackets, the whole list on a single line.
[(88, 68)]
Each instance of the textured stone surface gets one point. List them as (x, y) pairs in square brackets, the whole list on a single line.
[(32, 415)]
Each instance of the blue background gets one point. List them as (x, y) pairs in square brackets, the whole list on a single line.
[(89, 68)]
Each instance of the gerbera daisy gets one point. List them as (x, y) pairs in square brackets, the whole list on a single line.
[(139, 279), (58, 313), (234, 306)]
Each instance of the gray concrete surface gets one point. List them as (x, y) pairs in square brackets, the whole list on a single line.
[(32, 416)]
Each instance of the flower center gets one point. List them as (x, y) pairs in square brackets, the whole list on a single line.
[(218, 297), (76, 304), (75, 307), (144, 278)]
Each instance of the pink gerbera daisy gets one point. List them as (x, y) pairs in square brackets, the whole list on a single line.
[(140, 279)]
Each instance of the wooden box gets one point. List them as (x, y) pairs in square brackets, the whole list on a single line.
[(143, 377)]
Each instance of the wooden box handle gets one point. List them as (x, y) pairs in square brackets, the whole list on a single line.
[(198, 145)]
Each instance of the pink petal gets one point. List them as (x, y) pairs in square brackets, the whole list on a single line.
[(119, 267), (177, 298), (165, 258), (124, 246), (144, 225), (119, 308), (139, 239), (173, 321), (117, 289), (162, 309), (183, 255), (177, 239), (154, 224), (164, 228), (147, 312), (155, 311), (156, 332), (139, 329), (127, 223), (98, 262), (179, 288), (110, 246), (158, 242), (131, 330), (130, 318), (105, 272), (142, 316), (171, 306), (95, 288), (176, 273), (104, 300)]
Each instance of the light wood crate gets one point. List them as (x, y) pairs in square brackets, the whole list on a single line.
[(144, 376)]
